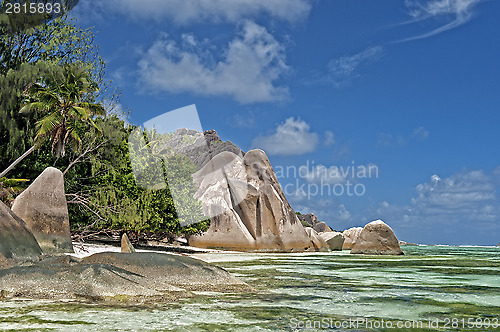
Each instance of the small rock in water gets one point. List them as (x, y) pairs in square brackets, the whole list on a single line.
[(127, 247), (377, 238)]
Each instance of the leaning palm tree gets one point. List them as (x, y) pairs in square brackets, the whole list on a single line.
[(63, 106)]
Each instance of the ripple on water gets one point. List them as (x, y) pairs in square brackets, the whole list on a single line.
[(427, 282)]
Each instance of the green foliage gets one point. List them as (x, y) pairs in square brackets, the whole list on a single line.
[(113, 199), (304, 223), (60, 99), (10, 188), (36, 53), (34, 46)]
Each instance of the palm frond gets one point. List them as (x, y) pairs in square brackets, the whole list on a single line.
[(95, 109), (34, 106), (47, 125), (78, 112)]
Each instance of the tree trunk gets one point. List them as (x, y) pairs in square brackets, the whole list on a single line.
[(17, 161)]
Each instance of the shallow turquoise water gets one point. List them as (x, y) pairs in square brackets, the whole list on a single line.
[(460, 286)]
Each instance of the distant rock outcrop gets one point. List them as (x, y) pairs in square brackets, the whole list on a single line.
[(318, 242), (16, 241), (350, 236), (43, 208), (335, 240), (377, 238), (248, 208), (199, 147), (321, 227), (312, 221)]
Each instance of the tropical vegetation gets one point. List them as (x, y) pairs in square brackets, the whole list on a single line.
[(57, 109)]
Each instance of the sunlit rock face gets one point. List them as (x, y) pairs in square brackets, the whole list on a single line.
[(377, 238), (43, 208), (318, 242), (248, 209), (335, 240), (350, 236), (16, 241)]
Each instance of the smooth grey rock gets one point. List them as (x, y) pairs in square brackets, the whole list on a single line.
[(43, 208), (377, 238), (309, 218), (181, 271), (335, 240), (312, 221), (321, 227), (16, 241), (350, 236), (126, 246), (134, 277)]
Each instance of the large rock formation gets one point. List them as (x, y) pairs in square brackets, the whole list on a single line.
[(312, 221), (377, 238), (248, 208), (200, 148), (43, 208), (350, 236), (318, 242), (134, 277), (335, 240), (16, 241)]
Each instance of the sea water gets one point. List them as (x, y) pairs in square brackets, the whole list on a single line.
[(430, 288)]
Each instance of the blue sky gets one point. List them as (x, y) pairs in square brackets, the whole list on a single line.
[(409, 87)]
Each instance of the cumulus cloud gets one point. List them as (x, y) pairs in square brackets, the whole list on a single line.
[(293, 137), (465, 201), (343, 70), (454, 12), (184, 12), (247, 70)]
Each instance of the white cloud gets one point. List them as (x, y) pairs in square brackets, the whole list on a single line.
[(247, 70), (184, 12), (344, 69), (464, 202), (455, 12), (293, 137), (465, 192)]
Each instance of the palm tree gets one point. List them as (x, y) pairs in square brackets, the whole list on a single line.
[(62, 102)]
